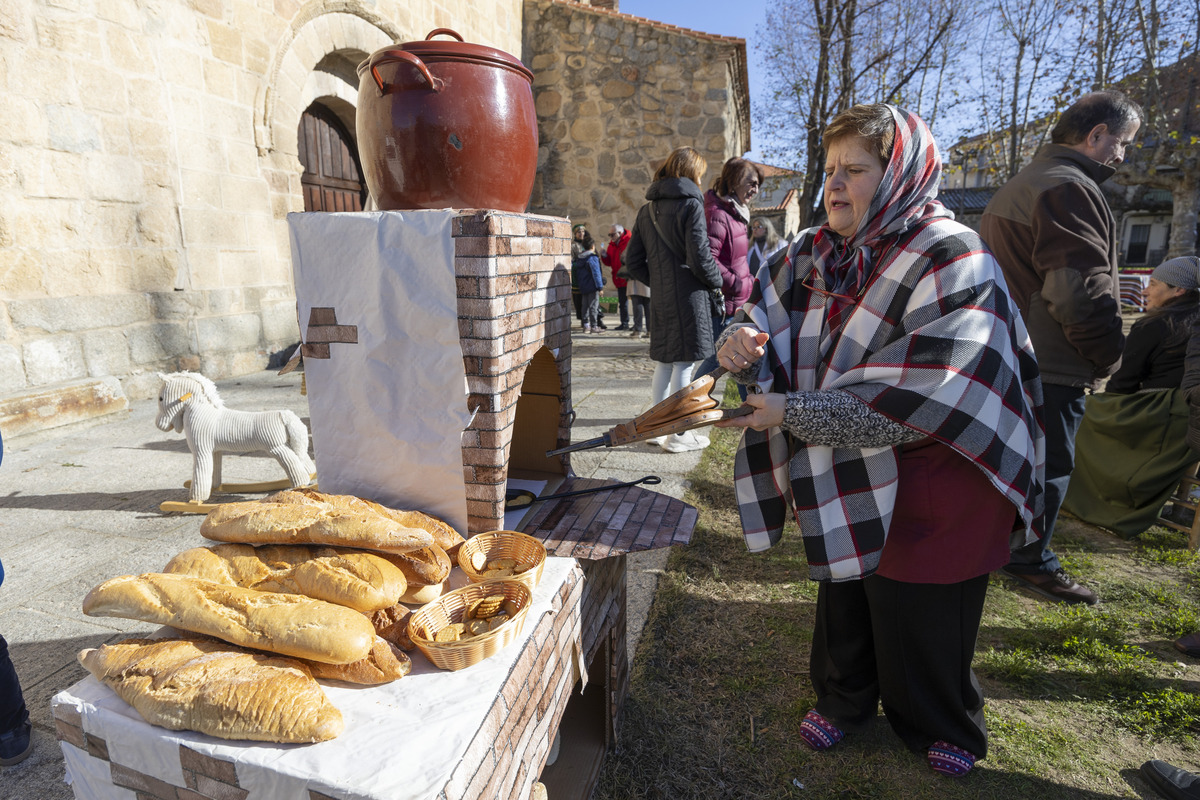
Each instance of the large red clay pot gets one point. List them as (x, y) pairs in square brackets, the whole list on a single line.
[(446, 124)]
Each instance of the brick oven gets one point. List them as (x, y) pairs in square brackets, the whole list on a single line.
[(513, 275)]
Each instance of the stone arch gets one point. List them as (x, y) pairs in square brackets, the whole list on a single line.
[(320, 33), (334, 84)]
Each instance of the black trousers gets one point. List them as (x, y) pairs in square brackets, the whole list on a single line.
[(908, 645), (12, 703)]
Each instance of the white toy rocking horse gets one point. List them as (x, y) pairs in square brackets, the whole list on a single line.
[(188, 403)]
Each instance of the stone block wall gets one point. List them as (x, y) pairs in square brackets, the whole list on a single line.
[(614, 95), (147, 163)]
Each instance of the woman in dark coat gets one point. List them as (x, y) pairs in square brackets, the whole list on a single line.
[(1131, 448), (585, 274), (669, 250)]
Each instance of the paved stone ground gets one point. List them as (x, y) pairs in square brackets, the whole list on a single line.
[(80, 505)]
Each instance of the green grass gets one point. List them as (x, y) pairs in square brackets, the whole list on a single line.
[(1078, 697)]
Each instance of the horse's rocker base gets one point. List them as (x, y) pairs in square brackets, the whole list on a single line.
[(252, 488), (186, 507), (189, 403)]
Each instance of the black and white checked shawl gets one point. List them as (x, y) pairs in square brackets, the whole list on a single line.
[(934, 343)]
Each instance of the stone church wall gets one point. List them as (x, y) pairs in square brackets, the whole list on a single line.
[(615, 94), (147, 162)]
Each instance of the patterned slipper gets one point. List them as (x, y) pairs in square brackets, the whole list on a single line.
[(818, 732), (950, 760)]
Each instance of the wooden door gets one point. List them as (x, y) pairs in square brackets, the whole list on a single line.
[(332, 179)]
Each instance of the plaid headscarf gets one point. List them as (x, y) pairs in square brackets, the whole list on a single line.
[(934, 343)]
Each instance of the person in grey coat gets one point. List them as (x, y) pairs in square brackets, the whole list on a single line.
[(669, 251)]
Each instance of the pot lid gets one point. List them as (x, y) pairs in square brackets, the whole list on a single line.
[(442, 50)]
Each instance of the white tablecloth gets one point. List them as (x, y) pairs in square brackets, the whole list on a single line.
[(402, 740)]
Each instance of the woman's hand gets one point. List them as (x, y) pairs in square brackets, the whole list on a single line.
[(742, 349), (768, 412)]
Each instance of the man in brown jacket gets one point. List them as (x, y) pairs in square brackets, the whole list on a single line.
[(1055, 238)]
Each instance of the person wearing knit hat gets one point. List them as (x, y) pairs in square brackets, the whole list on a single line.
[(1182, 273), (1131, 448)]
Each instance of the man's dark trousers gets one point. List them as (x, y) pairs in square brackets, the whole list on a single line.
[(1063, 409)]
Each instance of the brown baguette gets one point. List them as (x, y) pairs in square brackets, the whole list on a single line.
[(423, 567), (391, 624), (305, 516), (207, 686), (356, 579), (384, 664), (288, 624)]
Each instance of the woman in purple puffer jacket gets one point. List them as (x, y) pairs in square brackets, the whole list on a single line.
[(727, 213)]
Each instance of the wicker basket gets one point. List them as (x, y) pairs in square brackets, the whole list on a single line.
[(520, 547), (452, 607)]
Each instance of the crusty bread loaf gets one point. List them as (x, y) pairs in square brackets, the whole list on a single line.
[(207, 686), (354, 578), (418, 595), (306, 516), (384, 664), (289, 624), (392, 625), (423, 567), (444, 536)]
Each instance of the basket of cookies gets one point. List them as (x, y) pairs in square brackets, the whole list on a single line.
[(502, 554), (467, 625)]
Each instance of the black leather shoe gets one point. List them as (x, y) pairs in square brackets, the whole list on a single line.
[(1057, 585), (1171, 782)]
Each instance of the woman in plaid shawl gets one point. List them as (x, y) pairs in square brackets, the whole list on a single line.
[(897, 413)]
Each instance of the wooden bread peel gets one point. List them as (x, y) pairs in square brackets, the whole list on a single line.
[(693, 406)]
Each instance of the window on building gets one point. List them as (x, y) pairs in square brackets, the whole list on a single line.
[(1139, 240)]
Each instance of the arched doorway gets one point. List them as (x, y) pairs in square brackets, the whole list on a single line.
[(332, 179)]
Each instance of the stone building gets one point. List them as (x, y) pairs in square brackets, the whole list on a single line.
[(615, 94), (151, 152)]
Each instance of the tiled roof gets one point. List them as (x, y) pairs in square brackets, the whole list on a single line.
[(787, 199), (968, 201), (770, 171)]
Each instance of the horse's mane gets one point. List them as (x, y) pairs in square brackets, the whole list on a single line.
[(207, 387)]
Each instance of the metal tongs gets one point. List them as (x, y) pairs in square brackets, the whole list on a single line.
[(693, 406), (523, 498)]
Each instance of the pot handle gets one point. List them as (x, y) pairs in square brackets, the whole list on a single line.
[(390, 56), (446, 31)]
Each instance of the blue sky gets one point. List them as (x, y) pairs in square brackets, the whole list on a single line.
[(722, 17)]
